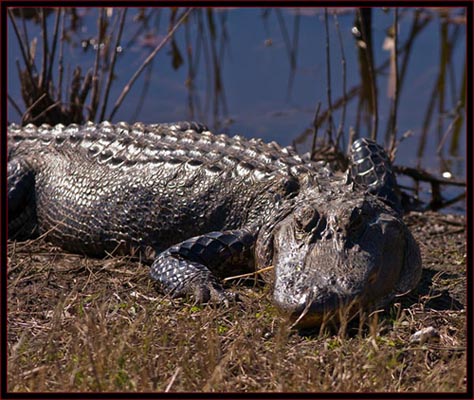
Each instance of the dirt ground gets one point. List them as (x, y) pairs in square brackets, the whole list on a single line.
[(83, 324)]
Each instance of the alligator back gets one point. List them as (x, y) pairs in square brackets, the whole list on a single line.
[(101, 188)]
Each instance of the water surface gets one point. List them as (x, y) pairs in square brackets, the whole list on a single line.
[(261, 73)]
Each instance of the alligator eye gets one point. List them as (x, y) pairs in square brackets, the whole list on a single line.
[(306, 218)]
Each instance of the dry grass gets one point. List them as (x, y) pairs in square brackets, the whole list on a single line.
[(81, 324)]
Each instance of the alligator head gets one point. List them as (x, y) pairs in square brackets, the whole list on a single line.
[(340, 248)]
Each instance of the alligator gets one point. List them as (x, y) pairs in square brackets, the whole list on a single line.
[(200, 207)]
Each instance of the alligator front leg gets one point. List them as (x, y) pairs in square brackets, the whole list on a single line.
[(192, 267)]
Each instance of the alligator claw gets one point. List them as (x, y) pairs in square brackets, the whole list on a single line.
[(214, 293)]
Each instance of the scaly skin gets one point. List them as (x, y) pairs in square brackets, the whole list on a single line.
[(205, 206)]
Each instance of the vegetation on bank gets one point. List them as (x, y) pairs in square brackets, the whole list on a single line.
[(82, 324)]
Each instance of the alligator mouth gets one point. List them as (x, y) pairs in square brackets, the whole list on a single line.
[(334, 308)]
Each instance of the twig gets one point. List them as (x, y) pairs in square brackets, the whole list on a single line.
[(437, 93), (315, 132), (393, 111), (284, 32), (296, 30), (449, 129), (35, 103), (81, 98), (44, 67), (447, 203), (352, 135), (44, 112), (422, 175), (23, 25), (215, 64), (192, 55), (129, 84), (173, 378), (340, 130), (60, 59), (35, 370), (95, 78), (328, 77), (291, 49), (201, 35), (452, 78), (55, 41), (453, 148), (219, 93), (15, 106), (443, 63), (370, 64), (223, 44), (23, 47), (427, 121), (255, 273), (416, 28), (112, 65), (74, 90)]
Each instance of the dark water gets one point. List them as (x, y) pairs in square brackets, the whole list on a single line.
[(244, 81)]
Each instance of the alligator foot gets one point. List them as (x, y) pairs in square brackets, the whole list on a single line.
[(180, 277), (189, 267)]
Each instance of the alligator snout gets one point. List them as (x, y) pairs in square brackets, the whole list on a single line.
[(332, 287), (321, 307)]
